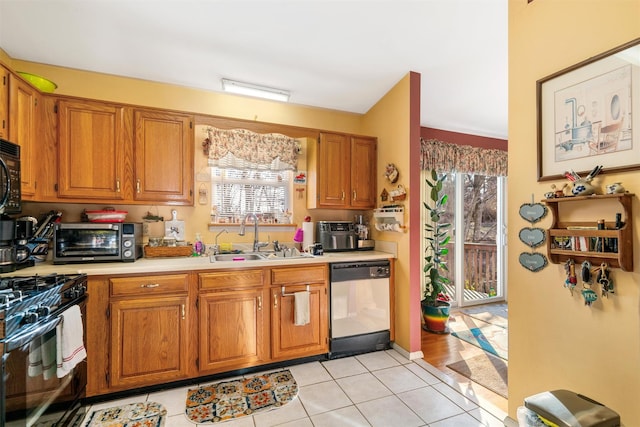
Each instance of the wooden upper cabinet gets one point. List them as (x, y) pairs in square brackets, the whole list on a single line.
[(363, 172), (23, 102), (91, 154), (4, 103), (163, 153), (341, 170)]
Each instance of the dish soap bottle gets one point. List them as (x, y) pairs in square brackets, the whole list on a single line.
[(198, 246)]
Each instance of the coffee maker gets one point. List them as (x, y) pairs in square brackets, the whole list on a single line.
[(14, 236), (7, 248), (362, 231)]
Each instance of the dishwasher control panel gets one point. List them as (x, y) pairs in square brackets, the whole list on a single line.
[(379, 272), (360, 270)]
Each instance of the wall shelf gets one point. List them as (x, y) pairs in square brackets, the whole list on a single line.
[(582, 241), (389, 219)]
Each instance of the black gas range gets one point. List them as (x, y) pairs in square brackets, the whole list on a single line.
[(30, 309)]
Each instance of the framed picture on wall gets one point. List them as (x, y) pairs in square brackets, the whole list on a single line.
[(589, 114)]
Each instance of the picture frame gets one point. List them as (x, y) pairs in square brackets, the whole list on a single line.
[(584, 115)]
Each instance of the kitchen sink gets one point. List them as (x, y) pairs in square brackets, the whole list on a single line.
[(286, 255), (237, 257), (260, 256)]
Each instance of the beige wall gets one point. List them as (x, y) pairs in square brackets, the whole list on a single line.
[(555, 341), (389, 121)]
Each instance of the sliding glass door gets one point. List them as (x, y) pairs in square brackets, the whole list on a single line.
[(476, 258)]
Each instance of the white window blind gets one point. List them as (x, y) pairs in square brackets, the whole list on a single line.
[(236, 192)]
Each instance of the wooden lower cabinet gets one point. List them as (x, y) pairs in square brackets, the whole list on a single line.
[(233, 320), (238, 330), (232, 330), (148, 341), (288, 340), (165, 328)]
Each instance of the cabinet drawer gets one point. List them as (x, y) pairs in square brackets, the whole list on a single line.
[(231, 279), (149, 285), (310, 274)]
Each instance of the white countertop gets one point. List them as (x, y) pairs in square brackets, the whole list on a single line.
[(158, 265)]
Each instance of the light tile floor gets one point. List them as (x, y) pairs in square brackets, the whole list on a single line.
[(374, 389)]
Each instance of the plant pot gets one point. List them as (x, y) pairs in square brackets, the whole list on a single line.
[(436, 316)]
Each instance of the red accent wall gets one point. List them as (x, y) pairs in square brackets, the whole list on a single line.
[(463, 138)]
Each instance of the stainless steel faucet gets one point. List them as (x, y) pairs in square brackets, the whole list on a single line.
[(216, 247), (256, 242)]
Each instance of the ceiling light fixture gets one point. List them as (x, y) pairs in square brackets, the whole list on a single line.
[(258, 91)]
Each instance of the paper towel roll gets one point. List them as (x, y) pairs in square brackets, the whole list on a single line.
[(307, 234)]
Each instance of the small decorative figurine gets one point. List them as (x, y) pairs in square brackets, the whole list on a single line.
[(556, 192), (615, 188), (583, 186), (392, 173)]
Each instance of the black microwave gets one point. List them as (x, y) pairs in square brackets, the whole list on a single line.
[(85, 242), (10, 195)]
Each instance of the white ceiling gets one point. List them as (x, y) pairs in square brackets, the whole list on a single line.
[(342, 55)]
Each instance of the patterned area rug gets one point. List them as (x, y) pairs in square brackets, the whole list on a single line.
[(233, 399), (496, 314), (144, 414), (491, 338), (486, 370)]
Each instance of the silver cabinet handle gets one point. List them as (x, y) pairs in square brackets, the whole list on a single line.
[(259, 302), (138, 185), (117, 185), (150, 285), (275, 300)]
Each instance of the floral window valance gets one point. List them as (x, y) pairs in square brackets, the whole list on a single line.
[(443, 156), (243, 149)]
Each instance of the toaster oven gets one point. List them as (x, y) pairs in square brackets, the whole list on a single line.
[(86, 242)]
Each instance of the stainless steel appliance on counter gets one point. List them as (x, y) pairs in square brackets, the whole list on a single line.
[(96, 242), (336, 235), (362, 231), (30, 310), (359, 307)]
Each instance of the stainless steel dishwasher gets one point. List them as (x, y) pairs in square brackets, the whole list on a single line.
[(359, 307)]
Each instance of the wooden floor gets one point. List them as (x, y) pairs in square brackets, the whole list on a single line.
[(442, 349)]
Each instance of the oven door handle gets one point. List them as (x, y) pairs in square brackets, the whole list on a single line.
[(25, 338)]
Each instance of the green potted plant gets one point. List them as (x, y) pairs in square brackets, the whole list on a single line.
[(435, 302)]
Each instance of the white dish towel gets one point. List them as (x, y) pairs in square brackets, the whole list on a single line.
[(301, 308), (42, 356), (35, 358), (70, 345), (49, 354)]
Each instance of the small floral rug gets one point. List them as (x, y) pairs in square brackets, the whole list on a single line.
[(144, 414), (233, 399)]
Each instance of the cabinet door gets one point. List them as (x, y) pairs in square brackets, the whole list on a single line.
[(232, 329), (163, 147), (363, 172), (91, 150), (23, 101), (289, 340), (4, 103), (148, 341), (333, 171)]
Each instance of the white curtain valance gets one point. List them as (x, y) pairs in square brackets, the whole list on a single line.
[(243, 149)]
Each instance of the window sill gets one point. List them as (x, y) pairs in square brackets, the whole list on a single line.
[(233, 226)]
